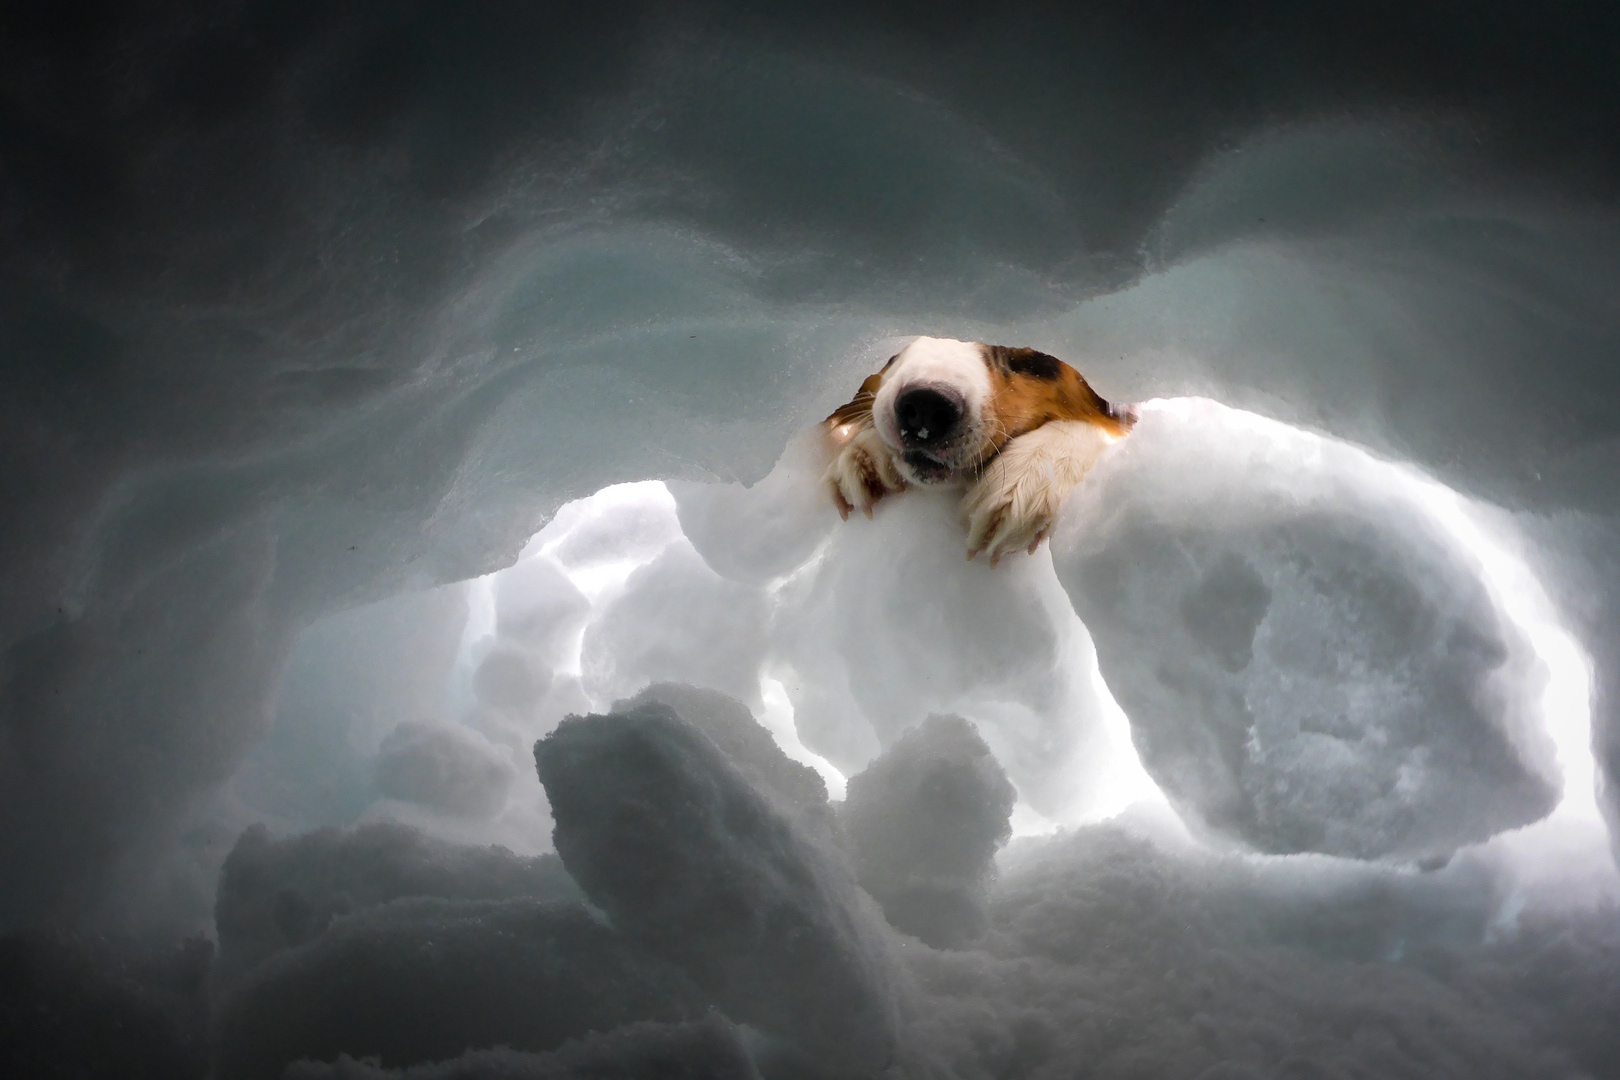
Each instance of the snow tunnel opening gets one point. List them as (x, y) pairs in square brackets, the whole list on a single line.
[(620, 589)]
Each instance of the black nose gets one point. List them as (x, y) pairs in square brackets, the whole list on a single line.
[(926, 416)]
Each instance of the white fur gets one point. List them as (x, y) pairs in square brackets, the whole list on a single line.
[(1013, 505), (958, 364)]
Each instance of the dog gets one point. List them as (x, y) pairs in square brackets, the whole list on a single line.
[(1017, 427)]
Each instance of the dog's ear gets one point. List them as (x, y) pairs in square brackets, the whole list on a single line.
[(1034, 387), (858, 409)]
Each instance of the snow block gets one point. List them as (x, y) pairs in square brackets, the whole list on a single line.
[(747, 744), (1304, 643), (449, 767), (692, 863), (925, 820)]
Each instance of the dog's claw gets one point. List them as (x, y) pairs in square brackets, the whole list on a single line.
[(862, 473), (840, 503), (1016, 502)]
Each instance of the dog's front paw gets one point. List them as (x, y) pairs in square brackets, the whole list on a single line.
[(1009, 509), (1015, 502), (861, 473)]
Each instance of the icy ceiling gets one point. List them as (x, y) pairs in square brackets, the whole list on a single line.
[(316, 319)]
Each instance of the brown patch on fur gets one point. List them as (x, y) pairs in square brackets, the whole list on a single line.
[(1029, 388), (858, 409)]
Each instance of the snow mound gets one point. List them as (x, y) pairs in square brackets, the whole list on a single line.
[(1309, 660), (925, 820), (694, 866), (422, 979), (279, 894)]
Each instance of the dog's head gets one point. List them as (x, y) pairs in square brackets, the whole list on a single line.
[(946, 407)]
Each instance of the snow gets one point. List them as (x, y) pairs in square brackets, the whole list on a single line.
[(924, 822), (381, 385), (713, 881), (1310, 655), (693, 864)]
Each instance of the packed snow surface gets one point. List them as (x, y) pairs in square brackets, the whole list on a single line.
[(1317, 654)]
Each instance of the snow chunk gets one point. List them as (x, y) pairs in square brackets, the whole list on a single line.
[(537, 604), (1309, 661), (689, 861), (759, 533), (446, 766), (511, 681), (747, 743), (876, 625), (925, 820), (677, 620)]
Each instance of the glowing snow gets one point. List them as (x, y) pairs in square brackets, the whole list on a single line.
[(1486, 535), (579, 542)]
